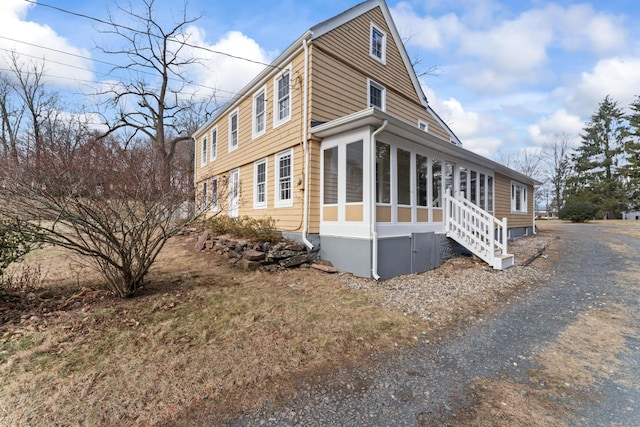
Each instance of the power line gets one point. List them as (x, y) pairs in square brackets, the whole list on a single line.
[(113, 24), (98, 61)]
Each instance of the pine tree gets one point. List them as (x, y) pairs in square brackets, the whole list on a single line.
[(631, 168), (597, 160)]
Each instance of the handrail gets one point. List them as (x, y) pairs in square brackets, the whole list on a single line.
[(476, 229)]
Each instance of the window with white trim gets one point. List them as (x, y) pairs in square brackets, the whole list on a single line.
[(214, 144), (383, 172), (259, 112), (355, 164), (282, 96), (330, 182), (422, 125), (518, 197), (233, 130), (203, 153), (260, 184), (377, 95), (204, 196), (378, 44), (214, 193), (284, 179)]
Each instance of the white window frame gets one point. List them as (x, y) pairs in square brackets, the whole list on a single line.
[(523, 198), (254, 115), (279, 201), (383, 94), (256, 203), (233, 146), (204, 195), (203, 151), (214, 197), (213, 153), (277, 121), (423, 126), (383, 54)]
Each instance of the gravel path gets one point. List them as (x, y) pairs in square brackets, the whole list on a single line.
[(426, 384)]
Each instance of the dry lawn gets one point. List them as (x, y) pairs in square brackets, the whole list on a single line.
[(201, 335)]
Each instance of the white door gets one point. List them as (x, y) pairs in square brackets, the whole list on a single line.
[(234, 192)]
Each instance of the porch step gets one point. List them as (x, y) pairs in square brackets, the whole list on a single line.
[(504, 261)]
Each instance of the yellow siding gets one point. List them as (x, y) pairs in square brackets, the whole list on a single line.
[(330, 213), (503, 203), (354, 213), (273, 141), (423, 215), (383, 213), (404, 214), (341, 65), (437, 215)]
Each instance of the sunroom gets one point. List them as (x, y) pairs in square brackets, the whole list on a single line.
[(382, 200)]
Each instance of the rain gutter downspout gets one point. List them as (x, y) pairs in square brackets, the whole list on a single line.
[(374, 231), (305, 146)]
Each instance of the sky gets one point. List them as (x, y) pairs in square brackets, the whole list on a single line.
[(506, 75)]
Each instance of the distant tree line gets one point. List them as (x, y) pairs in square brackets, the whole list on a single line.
[(599, 177)]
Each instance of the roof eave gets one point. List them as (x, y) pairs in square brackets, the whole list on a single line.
[(268, 71), (375, 117)]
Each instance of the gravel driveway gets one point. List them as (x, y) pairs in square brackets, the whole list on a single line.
[(427, 385)]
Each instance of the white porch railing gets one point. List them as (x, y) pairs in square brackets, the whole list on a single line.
[(477, 230)]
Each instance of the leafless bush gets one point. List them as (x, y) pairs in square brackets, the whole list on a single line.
[(100, 200)]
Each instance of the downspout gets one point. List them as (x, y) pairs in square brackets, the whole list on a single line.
[(372, 211), (305, 146)]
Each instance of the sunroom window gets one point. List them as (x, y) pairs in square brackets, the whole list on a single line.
[(354, 172)]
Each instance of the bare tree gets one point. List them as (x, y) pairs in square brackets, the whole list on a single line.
[(153, 102), (557, 157), (11, 114), (526, 161), (101, 201), (37, 102)]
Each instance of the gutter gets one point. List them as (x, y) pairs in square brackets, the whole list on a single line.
[(305, 146), (372, 212)]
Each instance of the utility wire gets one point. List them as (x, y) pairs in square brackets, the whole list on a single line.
[(113, 24), (97, 61)]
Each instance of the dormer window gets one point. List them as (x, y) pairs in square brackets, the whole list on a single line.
[(378, 45)]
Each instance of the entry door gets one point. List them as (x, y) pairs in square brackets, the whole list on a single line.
[(234, 192)]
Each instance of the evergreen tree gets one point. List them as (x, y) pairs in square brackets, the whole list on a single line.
[(597, 160), (631, 168)]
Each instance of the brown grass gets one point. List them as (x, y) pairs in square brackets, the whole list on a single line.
[(583, 352), (200, 332)]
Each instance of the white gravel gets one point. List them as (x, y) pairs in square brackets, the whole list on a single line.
[(462, 286)]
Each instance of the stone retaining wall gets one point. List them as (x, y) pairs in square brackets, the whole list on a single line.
[(265, 255)]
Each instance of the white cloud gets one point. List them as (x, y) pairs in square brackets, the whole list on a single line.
[(223, 72), (39, 41), (617, 77), (559, 123), (426, 32), (581, 28), (485, 146)]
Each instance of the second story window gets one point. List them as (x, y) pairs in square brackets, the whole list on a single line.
[(282, 89), (233, 131), (203, 154), (214, 143), (378, 44), (259, 112), (377, 95)]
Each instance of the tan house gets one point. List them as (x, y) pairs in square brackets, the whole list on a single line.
[(337, 141)]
